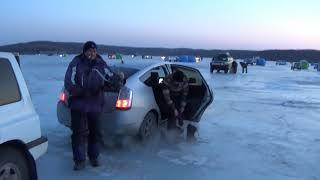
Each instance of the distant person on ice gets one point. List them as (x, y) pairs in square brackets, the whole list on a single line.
[(234, 67), (86, 76), (244, 67)]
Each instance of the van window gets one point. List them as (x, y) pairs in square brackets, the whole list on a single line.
[(9, 89)]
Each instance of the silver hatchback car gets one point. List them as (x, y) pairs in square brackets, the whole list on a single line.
[(134, 110)]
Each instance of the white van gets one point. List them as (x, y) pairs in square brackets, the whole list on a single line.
[(21, 142)]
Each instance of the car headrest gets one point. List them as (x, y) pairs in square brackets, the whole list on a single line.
[(192, 80)]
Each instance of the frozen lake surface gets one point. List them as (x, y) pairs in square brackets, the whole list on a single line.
[(262, 125)]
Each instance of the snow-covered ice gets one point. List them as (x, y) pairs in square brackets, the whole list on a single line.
[(261, 125)]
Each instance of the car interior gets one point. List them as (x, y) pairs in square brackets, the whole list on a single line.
[(196, 95), (197, 91)]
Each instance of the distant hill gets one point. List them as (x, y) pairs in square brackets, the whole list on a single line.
[(37, 47)]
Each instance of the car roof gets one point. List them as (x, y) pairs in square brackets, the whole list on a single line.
[(146, 65), (5, 54), (136, 65)]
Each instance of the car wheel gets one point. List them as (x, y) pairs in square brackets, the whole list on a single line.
[(211, 69), (13, 164), (148, 127), (226, 71), (218, 70)]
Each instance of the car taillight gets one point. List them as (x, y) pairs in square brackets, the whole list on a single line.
[(122, 104), (124, 100), (62, 96)]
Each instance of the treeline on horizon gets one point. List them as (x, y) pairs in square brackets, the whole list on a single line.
[(37, 47)]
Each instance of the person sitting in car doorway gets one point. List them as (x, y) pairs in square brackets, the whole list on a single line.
[(86, 77), (244, 67), (175, 90)]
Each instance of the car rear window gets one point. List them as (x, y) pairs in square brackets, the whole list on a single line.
[(126, 71), (10, 92), (222, 57)]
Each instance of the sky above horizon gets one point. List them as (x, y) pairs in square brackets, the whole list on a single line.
[(205, 24)]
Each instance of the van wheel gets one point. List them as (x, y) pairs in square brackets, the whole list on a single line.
[(148, 127), (13, 164)]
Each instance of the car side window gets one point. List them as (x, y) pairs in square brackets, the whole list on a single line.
[(10, 92), (193, 76), (158, 71)]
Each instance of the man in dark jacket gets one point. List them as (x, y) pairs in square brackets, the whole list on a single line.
[(244, 67), (85, 79), (175, 89), (234, 67)]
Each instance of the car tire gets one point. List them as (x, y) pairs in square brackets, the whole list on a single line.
[(148, 127), (211, 69), (13, 164), (226, 71)]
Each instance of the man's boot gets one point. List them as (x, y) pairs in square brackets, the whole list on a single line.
[(79, 165), (94, 162)]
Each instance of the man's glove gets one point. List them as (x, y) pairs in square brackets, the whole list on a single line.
[(181, 110), (115, 82), (121, 75), (175, 113)]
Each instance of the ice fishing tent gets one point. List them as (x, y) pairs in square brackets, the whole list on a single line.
[(188, 59), (118, 56), (304, 64), (261, 62), (114, 56)]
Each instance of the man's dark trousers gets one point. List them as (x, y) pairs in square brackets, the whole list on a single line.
[(85, 126)]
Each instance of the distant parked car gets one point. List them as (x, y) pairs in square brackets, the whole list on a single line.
[(146, 57), (250, 61), (221, 62), (170, 59), (134, 110), (315, 66), (296, 65), (198, 58), (281, 62), (21, 142)]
